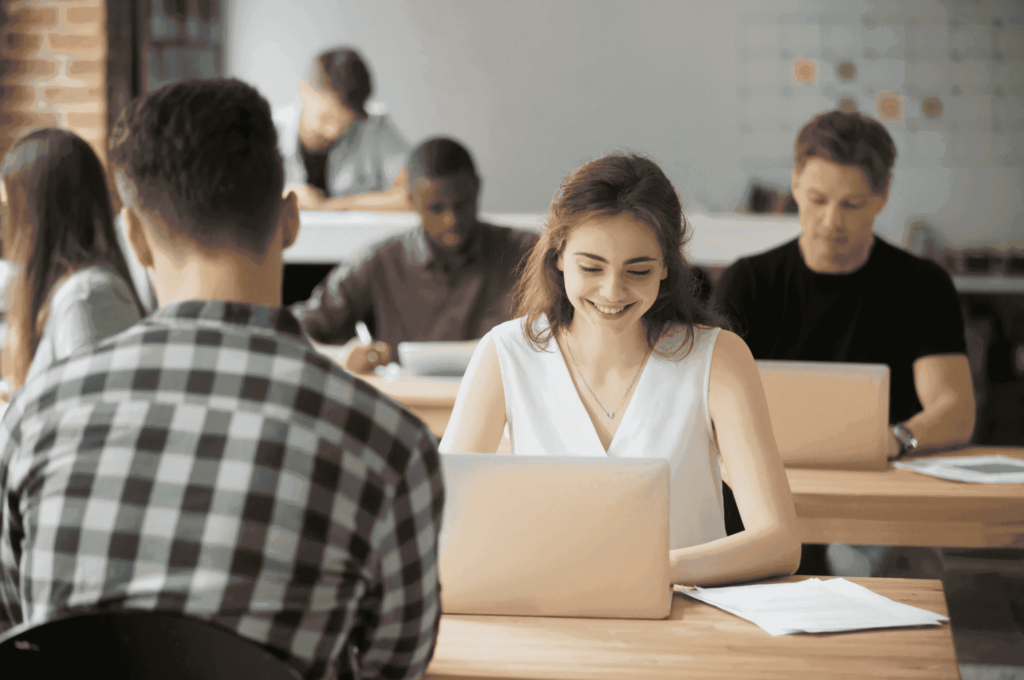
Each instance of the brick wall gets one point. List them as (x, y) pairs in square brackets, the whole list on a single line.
[(53, 68)]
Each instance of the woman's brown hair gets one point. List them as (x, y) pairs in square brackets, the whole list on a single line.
[(615, 184), (57, 219)]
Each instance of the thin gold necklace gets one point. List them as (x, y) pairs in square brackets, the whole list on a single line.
[(608, 414)]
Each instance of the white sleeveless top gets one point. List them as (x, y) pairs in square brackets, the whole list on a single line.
[(667, 417)]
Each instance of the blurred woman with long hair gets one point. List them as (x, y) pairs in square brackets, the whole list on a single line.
[(71, 286)]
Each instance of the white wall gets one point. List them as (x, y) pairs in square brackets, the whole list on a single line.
[(534, 87)]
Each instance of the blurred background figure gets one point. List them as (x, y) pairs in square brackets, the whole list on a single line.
[(70, 286), (338, 155), (764, 198)]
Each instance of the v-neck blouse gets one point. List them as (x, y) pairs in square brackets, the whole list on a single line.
[(667, 417)]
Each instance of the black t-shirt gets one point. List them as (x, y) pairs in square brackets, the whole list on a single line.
[(893, 310), (316, 166)]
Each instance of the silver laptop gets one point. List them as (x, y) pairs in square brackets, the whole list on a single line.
[(547, 536), (828, 414), (436, 358)]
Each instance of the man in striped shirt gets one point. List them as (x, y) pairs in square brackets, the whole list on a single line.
[(207, 460)]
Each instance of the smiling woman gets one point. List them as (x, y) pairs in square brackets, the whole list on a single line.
[(610, 291), (614, 355)]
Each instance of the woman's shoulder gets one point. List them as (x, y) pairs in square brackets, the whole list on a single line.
[(512, 334), (91, 282), (732, 356), (677, 336), (93, 304), (509, 330), (102, 294)]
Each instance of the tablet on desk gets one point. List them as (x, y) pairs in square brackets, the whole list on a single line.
[(436, 358), (993, 468), (996, 469)]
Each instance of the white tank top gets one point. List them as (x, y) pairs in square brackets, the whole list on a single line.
[(667, 417)]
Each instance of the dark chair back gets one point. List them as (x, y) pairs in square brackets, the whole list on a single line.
[(137, 645)]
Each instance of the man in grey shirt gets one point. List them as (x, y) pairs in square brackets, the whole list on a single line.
[(338, 154)]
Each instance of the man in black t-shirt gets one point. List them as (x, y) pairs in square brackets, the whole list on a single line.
[(840, 293), (895, 309)]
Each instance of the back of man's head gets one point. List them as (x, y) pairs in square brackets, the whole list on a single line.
[(200, 159), (849, 139), (439, 157)]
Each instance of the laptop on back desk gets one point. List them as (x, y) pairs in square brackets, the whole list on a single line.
[(828, 414)]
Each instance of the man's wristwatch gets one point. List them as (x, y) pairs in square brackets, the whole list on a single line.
[(906, 439)]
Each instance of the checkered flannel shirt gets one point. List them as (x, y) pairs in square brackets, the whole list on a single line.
[(208, 461)]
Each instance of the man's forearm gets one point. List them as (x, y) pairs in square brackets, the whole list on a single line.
[(323, 324), (943, 425)]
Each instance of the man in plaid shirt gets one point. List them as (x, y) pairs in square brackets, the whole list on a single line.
[(207, 460)]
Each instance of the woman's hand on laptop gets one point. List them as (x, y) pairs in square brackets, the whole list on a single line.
[(364, 358)]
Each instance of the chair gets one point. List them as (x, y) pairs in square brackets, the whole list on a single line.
[(136, 645)]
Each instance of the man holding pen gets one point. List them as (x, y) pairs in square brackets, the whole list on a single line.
[(447, 280), (369, 351)]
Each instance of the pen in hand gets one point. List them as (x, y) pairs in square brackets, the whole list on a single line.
[(365, 337), (364, 333)]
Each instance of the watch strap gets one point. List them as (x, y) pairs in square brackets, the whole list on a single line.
[(906, 440)]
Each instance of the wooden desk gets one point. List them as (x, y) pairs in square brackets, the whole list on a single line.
[(697, 641), (429, 399), (887, 507), (899, 507)]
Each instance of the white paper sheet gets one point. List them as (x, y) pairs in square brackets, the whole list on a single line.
[(977, 469), (814, 606)]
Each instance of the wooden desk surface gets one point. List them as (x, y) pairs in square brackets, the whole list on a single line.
[(418, 391), (430, 399), (900, 507), (697, 641), (886, 507)]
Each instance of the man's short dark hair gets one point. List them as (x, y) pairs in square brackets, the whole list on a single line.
[(343, 72), (439, 157), (849, 139), (202, 155)]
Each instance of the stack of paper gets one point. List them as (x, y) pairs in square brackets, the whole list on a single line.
[(984, 469), (814, 606)]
